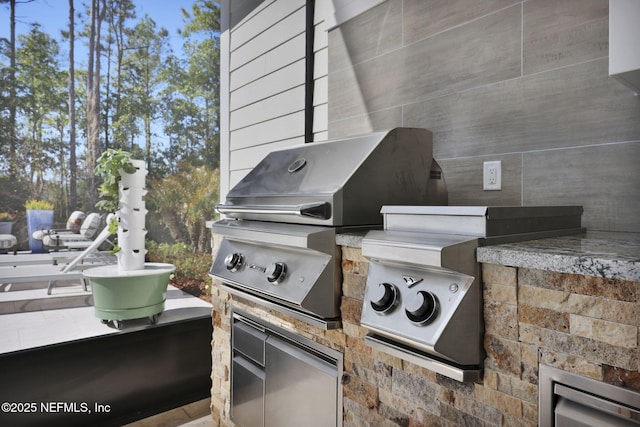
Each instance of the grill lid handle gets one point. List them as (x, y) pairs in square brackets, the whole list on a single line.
[(321, 210)]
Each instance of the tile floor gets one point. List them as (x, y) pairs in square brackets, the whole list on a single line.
[(30, 318), (196, 414)]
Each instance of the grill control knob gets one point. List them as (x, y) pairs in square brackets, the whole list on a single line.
[(234, 262), (276, 272), (423, 308), (384, 297)]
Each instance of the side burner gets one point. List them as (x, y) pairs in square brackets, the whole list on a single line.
[(423, 296)]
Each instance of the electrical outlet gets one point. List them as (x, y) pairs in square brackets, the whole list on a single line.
[(492, 175)]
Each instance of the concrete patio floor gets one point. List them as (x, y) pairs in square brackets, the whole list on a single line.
[(29, 318)]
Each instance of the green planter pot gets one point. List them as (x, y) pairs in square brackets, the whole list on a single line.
[(134, 294)]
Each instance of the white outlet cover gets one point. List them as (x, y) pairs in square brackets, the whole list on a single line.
[(492, 175)]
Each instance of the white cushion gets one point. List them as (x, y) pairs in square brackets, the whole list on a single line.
[(75, 221), (39, 234), (52, 241), (7, 241), (90, 225)]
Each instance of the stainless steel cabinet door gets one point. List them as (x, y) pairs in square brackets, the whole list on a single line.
[(300, 388), (247, 394)]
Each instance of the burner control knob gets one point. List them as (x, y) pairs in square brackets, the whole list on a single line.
[(423, 308), (234, 262), (384, 297), (276, 272)]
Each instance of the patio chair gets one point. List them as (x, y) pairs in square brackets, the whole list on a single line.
[(78, 234), (90, 257), (63, 253)]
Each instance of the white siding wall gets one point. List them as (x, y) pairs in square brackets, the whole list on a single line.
[(263, 81), (323, 12)]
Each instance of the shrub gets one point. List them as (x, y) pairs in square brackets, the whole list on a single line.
[(38, 205), (7, 217), (186, 200), (190, 265)]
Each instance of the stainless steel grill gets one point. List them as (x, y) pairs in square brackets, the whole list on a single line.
[(341, 182), (278, 246)]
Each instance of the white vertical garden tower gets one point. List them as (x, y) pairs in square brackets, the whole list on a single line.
[(131, 289), (131, 218)]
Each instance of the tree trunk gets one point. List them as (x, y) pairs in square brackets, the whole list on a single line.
[(174, 223), (108, 82), (73, 196), (147, 119), (119, 54), (102, 7), (62, 207), (91, 132), (93, 98), (13, 168)]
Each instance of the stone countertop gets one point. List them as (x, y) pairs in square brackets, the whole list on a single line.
[(351, 240), (608, 255)]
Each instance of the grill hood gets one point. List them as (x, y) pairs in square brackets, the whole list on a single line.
[(341, 182)]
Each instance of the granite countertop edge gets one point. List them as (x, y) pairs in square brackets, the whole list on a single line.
[(599, 254), (610, 259)]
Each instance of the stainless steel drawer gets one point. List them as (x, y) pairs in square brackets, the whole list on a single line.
[(300, 389), (249, 341), (247, 397)]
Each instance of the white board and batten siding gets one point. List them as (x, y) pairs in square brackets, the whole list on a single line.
[(263, 81)]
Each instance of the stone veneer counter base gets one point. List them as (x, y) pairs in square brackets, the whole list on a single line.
[(578, 319)]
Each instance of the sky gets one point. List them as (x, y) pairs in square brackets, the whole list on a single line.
[(53, 15)]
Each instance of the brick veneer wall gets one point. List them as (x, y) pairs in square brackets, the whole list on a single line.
[(581, 324)]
